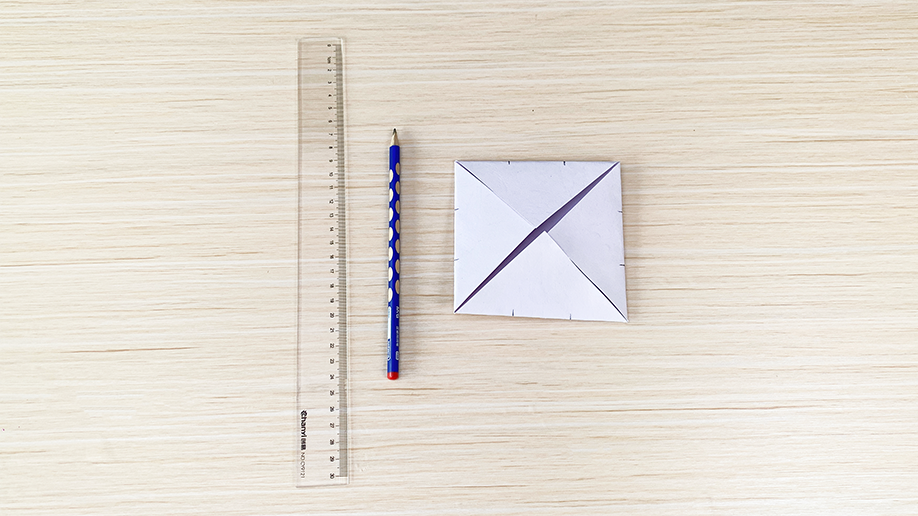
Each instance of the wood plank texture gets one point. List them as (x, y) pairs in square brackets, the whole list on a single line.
[(148, 245)]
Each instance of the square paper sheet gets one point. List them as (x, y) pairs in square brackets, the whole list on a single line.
[(540, 239)]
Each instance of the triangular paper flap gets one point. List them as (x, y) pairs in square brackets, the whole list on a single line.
[(542, 282), (591, 236), (486, 231), (536, 189)]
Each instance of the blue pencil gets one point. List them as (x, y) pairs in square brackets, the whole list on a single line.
[(394, 230)]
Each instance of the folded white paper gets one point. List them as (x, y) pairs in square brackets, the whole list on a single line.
[(539, 239)]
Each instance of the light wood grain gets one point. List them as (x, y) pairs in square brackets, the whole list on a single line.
[(147, 258)]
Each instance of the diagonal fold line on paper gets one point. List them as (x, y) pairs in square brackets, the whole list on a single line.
[(546, 226), (476, 177), (535, 189), (597, 288)]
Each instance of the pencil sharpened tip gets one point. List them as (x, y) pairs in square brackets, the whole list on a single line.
[(394, 138)]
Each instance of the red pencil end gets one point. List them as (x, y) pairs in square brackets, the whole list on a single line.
[(393, 375)]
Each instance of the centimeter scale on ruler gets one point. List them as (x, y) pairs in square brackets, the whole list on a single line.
[(322, 362)]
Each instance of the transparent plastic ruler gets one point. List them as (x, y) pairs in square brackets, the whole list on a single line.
[(322, 361)]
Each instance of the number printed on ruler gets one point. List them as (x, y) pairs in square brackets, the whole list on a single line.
[(322, 268)]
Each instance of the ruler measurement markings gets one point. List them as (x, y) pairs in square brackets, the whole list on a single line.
[(323, 440), (342, 265)]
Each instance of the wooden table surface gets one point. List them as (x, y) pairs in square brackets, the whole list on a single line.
[(148, 244)]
